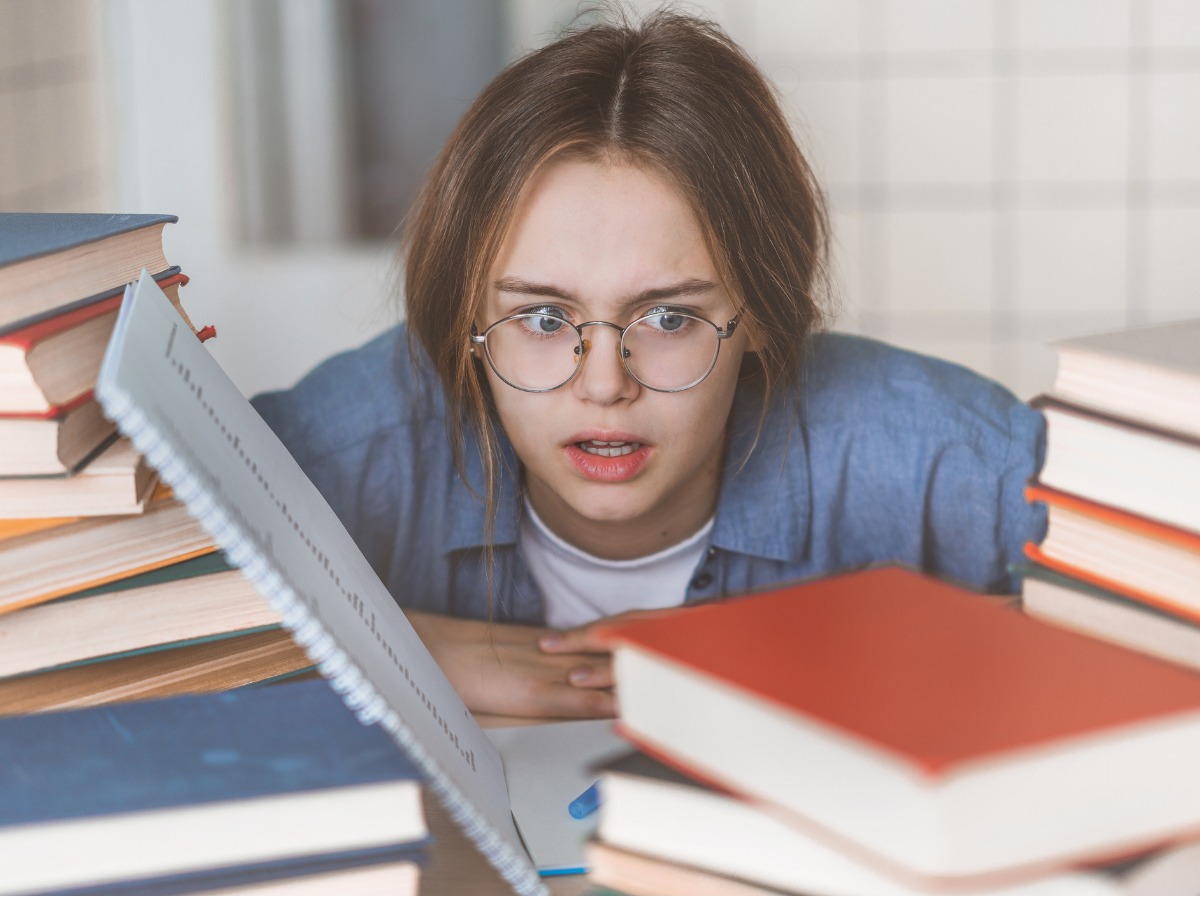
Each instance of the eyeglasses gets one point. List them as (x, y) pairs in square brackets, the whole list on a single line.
[(664, 350)]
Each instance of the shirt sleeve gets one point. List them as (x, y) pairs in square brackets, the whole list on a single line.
[(977, 520)]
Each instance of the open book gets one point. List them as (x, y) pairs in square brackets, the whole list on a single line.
[(183, 413)]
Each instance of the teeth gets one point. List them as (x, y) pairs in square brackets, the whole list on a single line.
[(609, 448)]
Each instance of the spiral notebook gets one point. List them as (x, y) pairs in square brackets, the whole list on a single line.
[(180, 409)]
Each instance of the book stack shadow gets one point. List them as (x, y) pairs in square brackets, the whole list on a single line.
[(1121, 484), (885, 732), (112, 593)]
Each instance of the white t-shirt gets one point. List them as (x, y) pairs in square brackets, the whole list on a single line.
[(579, 588)]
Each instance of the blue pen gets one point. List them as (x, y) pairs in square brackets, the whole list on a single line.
[(585, 804)]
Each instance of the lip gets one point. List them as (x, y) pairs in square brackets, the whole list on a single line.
[(595, 435), (607, 468)]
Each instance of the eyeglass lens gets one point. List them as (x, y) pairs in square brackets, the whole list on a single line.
[(666, 351)]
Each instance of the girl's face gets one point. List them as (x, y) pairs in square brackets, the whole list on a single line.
[(591, 241)]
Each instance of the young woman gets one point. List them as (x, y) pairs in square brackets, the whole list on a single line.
[(611, 394)]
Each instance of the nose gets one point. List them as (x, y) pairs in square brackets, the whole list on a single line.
[(602, 377)]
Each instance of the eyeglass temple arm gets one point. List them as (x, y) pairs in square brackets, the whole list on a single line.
[(730, 327)]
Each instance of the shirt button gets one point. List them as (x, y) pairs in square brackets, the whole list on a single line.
[(701, 581)]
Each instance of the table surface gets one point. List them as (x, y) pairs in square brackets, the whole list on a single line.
[(454, 866)]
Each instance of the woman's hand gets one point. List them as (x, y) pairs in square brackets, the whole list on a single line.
[(498, 668), (596, 671)]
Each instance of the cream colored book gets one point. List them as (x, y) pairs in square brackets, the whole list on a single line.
[(52, 446), (196, 600), (396, 879), (116, 483), (1149, 375), (198, 668), (53, 562)]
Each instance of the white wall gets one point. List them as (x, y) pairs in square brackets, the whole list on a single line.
[(277, 312), (1001, 173)]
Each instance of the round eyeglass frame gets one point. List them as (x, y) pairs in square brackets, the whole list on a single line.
[(583, 345)]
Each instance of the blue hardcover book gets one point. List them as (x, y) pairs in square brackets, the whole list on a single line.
[(190, 784), (245, 878), (51, 262)]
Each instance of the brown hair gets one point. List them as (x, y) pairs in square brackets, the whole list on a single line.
[(673, 93)]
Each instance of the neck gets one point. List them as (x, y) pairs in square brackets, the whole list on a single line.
[(657, 529)]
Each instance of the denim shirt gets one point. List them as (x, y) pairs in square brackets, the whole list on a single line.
[(876, 454)]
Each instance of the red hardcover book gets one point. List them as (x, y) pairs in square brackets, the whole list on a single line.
[(940, 735), (50, 364), (1143, 559)]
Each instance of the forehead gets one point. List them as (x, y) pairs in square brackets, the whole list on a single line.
[(603, 228)]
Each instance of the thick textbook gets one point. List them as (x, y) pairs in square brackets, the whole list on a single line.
[(694, 831), (115, 482), (256, 657), (48, 364), (1121, 463), (197, 430), (173, 786), (1149, 374), (190, 602), (51, 559), (393, 871), (55, 445), (1109, 615), (1141, 558), (939, 733), (50, 262)]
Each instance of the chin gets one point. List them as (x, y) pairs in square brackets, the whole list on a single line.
[(598, 507)]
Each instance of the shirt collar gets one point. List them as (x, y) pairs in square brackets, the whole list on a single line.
[(765, 505), (763, 509)]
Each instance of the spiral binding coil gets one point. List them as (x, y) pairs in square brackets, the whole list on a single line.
[(310, 633)]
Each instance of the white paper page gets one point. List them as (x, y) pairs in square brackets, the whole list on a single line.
[(547, 767), (181, 410)]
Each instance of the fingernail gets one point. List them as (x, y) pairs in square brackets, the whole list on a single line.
[(550, 641), (579, 676)]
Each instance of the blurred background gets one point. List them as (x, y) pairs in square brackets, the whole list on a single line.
[(1002, 173)]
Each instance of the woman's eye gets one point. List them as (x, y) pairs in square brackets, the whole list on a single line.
[(545, 319), (667, 321)]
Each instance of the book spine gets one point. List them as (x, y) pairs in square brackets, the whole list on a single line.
[(331, 661)]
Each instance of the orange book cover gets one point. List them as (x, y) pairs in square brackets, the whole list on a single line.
[(11, 528), (1120, 519), (915, 667), (31, 335)]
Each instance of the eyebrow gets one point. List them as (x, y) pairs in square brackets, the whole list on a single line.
[(686, 288)]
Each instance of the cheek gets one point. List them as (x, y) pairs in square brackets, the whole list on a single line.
[(522, 415)]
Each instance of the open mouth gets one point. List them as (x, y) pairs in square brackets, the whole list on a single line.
[(608, 448)]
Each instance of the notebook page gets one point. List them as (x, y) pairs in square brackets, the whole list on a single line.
[(209, 444)]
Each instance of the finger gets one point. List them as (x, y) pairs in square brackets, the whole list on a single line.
[(561, 701), (586, 638), (575, 640), (596, 673)]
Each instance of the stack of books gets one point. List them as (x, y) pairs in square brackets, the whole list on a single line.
[(101, 564), (1121, 482), (885, 732), (265, 790), (61, 282)]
